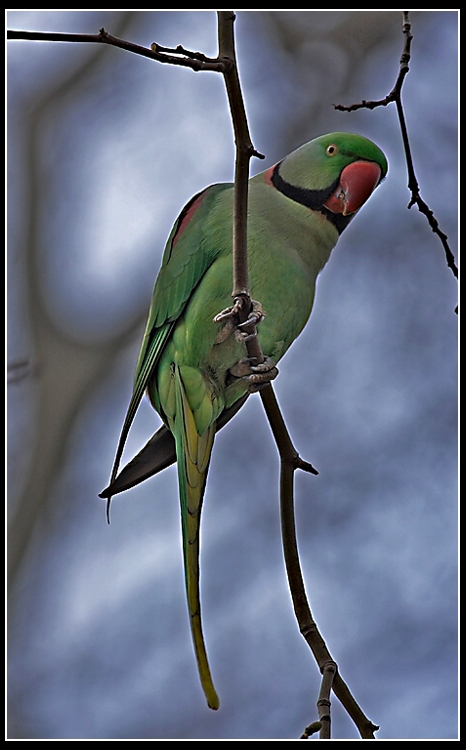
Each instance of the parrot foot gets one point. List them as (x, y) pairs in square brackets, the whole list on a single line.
[(256, 375), (224, 332), (243, 331)]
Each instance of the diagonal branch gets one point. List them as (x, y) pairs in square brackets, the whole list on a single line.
[(290, 461), (244, 152), (395, 96)]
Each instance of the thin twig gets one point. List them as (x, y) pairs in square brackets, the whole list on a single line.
[(395, 96), (180, 56), (323, 702), (395, 93), (316, 726)]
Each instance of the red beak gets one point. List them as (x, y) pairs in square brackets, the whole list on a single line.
[(357, 182)]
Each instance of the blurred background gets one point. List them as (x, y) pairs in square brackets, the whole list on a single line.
[(104, 149)]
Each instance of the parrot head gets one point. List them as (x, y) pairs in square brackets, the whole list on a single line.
[(335, 174)]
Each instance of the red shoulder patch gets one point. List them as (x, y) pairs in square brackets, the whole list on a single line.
[(187, 213), (268, 175)]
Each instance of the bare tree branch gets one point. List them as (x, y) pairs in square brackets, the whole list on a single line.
[(316, 726), (395, 96), (290, 461), (179, 56), (244, 152), (323, 703)]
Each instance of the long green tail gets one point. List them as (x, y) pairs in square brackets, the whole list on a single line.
[(193, 456)]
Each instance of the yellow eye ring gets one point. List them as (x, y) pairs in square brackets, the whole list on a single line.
[(331, 149)]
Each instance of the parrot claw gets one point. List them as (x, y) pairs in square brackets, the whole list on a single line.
[(243, 336), (256, 375), (242, 368), (230, 313), (255, 316)]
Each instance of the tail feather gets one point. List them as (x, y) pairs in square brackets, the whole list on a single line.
[(193, 455), (159, 453)]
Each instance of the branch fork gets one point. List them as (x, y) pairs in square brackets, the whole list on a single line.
[(413, 185)]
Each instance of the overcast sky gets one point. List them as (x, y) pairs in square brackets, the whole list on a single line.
[(105, 148)]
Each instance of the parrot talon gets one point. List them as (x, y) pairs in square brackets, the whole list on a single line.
[(242, 368), (261, 375), (255, 317), (256, 375), (265, 367), (228, 316), (230, 313), (243, 336)]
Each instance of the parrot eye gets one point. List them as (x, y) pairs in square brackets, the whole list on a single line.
[(331, 150)]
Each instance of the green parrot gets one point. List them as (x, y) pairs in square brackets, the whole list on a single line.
[(193, 362)]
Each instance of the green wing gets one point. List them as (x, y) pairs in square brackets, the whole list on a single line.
[(185, 260)]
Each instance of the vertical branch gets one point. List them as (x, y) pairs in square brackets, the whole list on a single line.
[(244, 152), (323, 702)]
